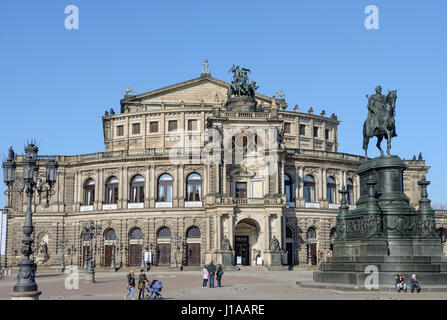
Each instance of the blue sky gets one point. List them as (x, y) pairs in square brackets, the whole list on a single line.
[(55, 83)]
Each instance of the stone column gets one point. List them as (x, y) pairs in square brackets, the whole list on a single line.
[(120, 190), (147, 196), (231, 230), (324, 136), (266, 232), (76, 194), (301, 187), (153, 186), (125, 186), (219, 232), (181, 186), (99, 192), (175, 186)]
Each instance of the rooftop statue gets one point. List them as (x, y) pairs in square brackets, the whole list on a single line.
[(240, 85), (129, 91), (380, 121)]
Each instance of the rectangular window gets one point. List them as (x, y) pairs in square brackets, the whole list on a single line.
[(120, 131), (192, 125), (136, 128), (153, 126), (327, 134), (286, 127), (302, 129), (172, 125), (316, 132), (241, 190)]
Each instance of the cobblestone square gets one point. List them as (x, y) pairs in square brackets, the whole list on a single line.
[(187, 285)]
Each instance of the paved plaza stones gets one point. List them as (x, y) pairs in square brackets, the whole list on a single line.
[(186, 285)]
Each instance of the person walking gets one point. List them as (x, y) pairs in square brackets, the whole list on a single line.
[(205, 276), (212, 271), (130, 284), (414, 283), (219, 275), (141, 284)]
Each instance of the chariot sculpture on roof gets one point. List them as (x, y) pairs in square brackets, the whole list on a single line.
[(240, 85)]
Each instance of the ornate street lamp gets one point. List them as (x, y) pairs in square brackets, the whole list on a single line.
[(142, 250), (91, 232), (63, 242), (26, 286), (176, 240), (112, 263)]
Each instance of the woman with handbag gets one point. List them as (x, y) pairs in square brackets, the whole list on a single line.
[(141, 284)]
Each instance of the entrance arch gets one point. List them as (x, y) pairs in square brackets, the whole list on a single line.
[(247, 242)]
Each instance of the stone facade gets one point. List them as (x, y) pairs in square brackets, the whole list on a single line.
[(161, 133)]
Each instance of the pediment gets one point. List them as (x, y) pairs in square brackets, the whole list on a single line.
[(207, 90)]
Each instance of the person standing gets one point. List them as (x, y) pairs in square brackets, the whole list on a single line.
[(130, 284), (205, 276), (148, 259), (141, 284), (219, 275), (212, 271)]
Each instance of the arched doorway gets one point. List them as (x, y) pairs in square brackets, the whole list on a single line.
[(247, 242), (135, 247), (109, 247), (311, 236), (164, 246), (193, 239)]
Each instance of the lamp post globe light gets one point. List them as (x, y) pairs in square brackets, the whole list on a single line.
[(26, 286)]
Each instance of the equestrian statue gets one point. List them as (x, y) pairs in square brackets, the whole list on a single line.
[(380, 121)]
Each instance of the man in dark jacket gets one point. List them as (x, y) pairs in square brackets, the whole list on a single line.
[(212, 271)]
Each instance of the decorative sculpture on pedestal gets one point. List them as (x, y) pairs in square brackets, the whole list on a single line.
[(241, 93), (380, 121), (384, 230)]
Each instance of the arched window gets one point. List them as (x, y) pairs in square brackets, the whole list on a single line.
[(311, 233), (194, 187), (164, 233), (289, 233), (89, 192), (136, 234), (193, 232), (112, 191), (137, 189), (309, 189), (288, 188), (110, 235), (350, 188), (165, 188), (331, 186)]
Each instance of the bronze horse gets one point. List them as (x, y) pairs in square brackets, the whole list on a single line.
[(385, 125)]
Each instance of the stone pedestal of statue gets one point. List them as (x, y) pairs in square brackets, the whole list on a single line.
[(385, 231), (28, 295), (227, 258)]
